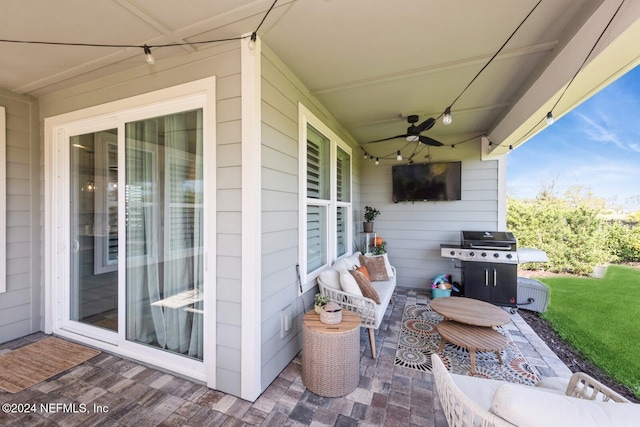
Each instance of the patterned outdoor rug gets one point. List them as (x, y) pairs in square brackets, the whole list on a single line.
[(419, 338)]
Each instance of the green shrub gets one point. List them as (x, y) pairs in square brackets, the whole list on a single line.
[(623, 241), (571, 231), (570, 234)]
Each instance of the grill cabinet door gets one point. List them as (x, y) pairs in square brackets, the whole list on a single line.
[(477, 281), (491, 282), (504, 281)]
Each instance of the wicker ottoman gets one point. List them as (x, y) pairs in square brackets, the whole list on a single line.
[(331, 354)]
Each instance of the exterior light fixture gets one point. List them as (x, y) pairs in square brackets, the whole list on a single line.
[(148, 55), (550, 119), (447, 119)]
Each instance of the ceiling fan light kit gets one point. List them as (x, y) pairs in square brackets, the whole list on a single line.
[(414, 132)]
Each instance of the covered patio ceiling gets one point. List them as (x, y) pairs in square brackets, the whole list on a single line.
[(370, 62)]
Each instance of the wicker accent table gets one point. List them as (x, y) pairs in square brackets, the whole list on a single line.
[(331, 354)]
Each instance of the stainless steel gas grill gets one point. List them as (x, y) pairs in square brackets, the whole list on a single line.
[(489, 265)]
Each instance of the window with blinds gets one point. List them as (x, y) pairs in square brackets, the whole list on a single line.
[(317, 164), (343, 176), (317, 188), (325, 195)]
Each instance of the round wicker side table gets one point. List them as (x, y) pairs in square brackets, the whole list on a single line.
[(331, 354)]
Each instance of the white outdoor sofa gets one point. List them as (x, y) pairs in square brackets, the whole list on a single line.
[(585, 402), (371, 313)]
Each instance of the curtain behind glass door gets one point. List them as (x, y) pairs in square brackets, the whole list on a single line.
[(164, 232)]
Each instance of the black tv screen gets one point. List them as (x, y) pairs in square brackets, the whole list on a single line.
[(428, 181)]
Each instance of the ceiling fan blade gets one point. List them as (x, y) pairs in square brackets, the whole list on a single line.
[(426, 125), (388, 139), (430, 141)]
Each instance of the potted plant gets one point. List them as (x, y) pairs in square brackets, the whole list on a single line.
[(380, 249), (369, 215), (319, 302)]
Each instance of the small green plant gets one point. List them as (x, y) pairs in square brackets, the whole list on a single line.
[(380, 249), (370, 213), (320, 300)]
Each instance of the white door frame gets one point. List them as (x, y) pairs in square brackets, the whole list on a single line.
[(58, 130)]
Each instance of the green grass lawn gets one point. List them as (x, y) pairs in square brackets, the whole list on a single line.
[(601, 318)]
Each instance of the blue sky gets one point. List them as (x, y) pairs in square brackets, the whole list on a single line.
[(596, 146)]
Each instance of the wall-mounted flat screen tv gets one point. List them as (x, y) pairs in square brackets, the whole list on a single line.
[(427, 182)]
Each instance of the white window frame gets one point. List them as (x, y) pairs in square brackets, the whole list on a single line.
[(306, 118)]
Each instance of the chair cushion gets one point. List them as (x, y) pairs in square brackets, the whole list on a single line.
[(529, 407), (385, 292), (481, 390), (342, 265), (331, 278), (387, 265), (365, 285), (554, 383), (376, 267), (349, 284), (354, 260)]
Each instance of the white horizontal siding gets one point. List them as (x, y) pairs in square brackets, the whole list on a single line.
[(414, 231), (281, 92), (223, 62), (20, 304)]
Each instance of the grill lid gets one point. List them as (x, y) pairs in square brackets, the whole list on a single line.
[(498, 240)]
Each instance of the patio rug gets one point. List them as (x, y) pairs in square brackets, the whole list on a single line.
[(419, 338), (33, 363)]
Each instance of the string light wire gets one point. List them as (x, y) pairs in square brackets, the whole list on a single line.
[(418, 148), (146, 48), (490, 60), (545, 118)]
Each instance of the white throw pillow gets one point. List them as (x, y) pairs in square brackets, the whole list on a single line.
[(342, 266), (331, 278), (531, 407), (353, 260), (349, 284)]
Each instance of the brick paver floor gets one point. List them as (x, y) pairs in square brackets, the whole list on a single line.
[(109, 390)]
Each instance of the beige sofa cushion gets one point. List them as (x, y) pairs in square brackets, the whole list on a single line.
[(349, 284), (331, 278), (532, 407), (481, 390), (385, 292)]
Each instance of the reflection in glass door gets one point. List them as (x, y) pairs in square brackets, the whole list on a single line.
[(164, 235), (160, 207), (94, 229)]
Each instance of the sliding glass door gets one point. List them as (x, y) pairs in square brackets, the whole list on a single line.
[(158, 214), (164, 232), (94, 229)]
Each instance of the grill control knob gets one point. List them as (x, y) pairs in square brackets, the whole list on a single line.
[(509, 256), (496, 255), (472, 254), (452, 253), (483, 254)]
